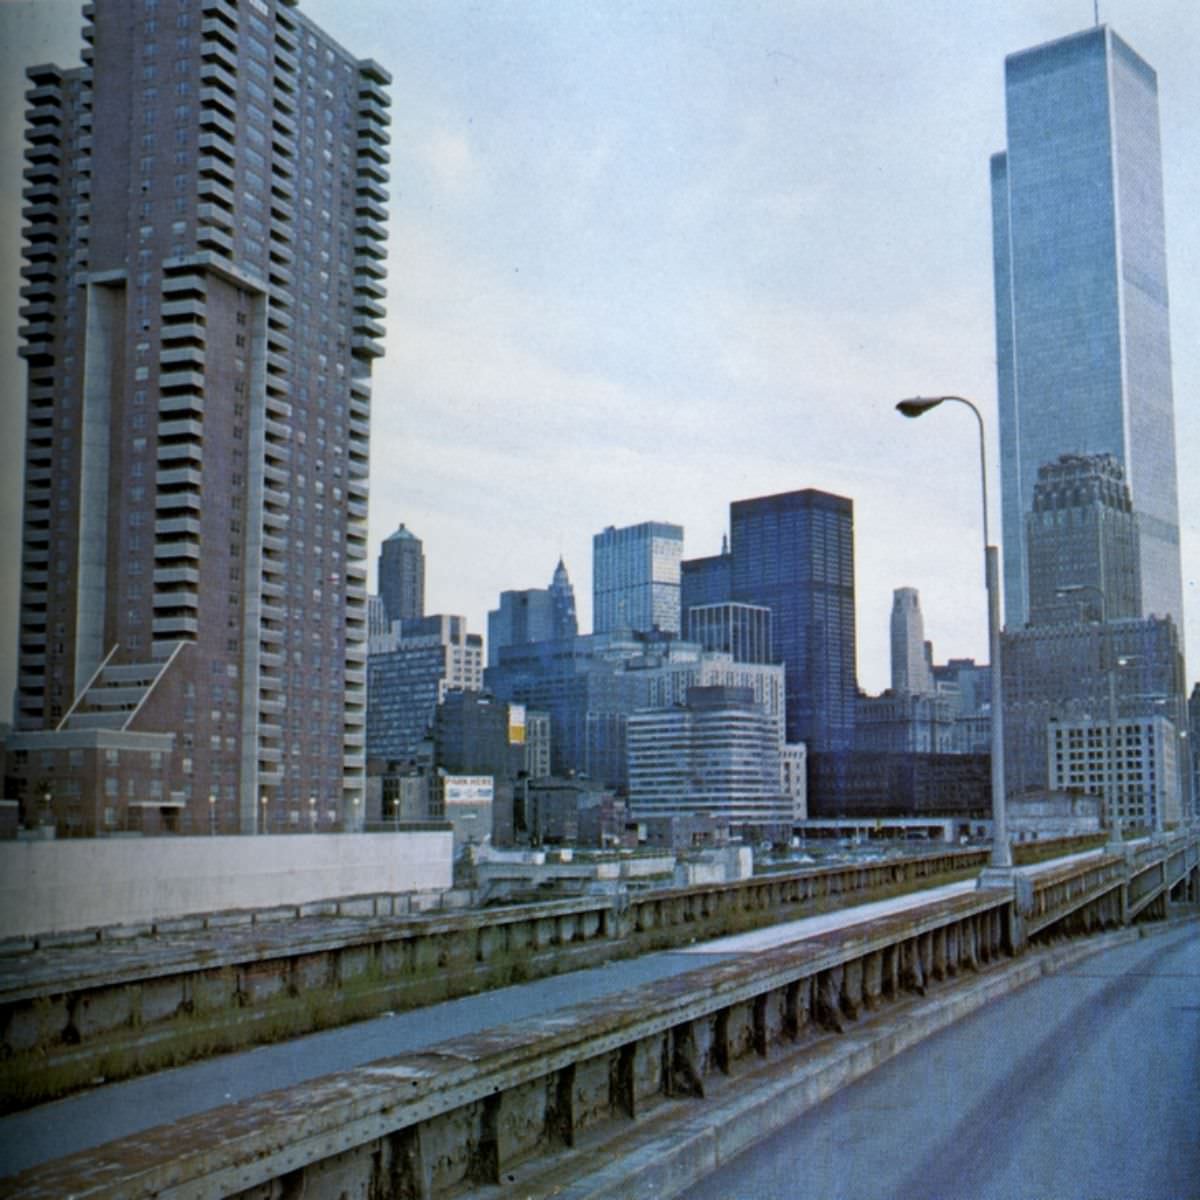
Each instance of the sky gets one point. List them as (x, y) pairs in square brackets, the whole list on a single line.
[(649, 258)]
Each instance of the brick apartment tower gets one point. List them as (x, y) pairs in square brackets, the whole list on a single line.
[(204, 208)]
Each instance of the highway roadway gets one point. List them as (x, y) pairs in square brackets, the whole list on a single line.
[(1084, 1085)]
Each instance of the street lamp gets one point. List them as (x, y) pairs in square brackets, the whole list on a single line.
[(999, 872), (1116, 839), (264, 812), (312, 813), (212, 815)]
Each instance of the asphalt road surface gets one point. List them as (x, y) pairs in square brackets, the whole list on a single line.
[(1084, 1085)]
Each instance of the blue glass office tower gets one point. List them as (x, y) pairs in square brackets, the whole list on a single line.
[(635, 578), (794, 554), (1082, 338)]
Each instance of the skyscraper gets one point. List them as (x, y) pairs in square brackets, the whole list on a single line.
[(402, 576), (1082, 336), (1082, 540), (794, 554), (410, 670), (533, 615), (912, 673), (563, 599), (635, 578), (204, 208), (705, 580)]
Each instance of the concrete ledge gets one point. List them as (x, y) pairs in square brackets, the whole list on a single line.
[(685, 1142)]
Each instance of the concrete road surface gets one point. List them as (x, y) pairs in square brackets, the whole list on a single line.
[(1082, 1086)]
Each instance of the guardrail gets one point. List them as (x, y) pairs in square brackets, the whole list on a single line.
[(116, 1007), (470, 1111)]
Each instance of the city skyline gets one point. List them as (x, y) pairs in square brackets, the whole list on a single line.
[(715, 341)]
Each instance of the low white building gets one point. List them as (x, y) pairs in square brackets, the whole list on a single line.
[(718, 754), (1142, 768)]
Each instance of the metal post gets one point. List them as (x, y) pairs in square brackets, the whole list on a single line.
[(1116, 840), (999, 872), (1001, 851)]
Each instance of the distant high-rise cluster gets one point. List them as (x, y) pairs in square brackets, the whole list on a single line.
[(202, 302), (533, 615)]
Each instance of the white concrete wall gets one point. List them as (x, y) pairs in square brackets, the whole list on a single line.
[(55, 886)]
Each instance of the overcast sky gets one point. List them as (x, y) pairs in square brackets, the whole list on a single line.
[(648, 258)]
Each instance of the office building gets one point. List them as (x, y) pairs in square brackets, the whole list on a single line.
[(907, 722), (912, 672), (794, 554), (715, 755), (704, 581), (742, 631), (967, 686), (476, 734), (402, 576), (901, 785), (1082, 540), (1134, 764), (410, 671), (533, 615), (1082, 328), (205, 209), (1073, 673), (635, 578), (565, 623)]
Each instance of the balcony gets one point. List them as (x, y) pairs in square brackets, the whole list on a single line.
[(177, 548), (180, 428), (178, 477), (174, 310)]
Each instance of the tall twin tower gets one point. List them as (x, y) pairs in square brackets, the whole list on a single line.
[(1082, 336)]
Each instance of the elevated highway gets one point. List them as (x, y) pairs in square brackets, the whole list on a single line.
[(655, 1085)]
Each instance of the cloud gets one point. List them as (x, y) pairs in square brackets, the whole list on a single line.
[(448, 157)]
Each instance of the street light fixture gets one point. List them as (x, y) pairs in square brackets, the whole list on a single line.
[(212, 815), (312, 813), (999, 872), (1113, 662), (264, 812), (1116, 838)]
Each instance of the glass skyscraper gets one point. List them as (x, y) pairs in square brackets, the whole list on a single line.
[(1082, 337), (794, 554), (635, 578)]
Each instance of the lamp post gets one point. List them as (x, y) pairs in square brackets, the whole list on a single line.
[(212, 815), (999, 872), (1116, 839), (312, 813), (264, 812)]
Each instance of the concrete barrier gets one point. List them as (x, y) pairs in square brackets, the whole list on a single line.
[(60, 886), (482, 1111), (112, 1003)]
